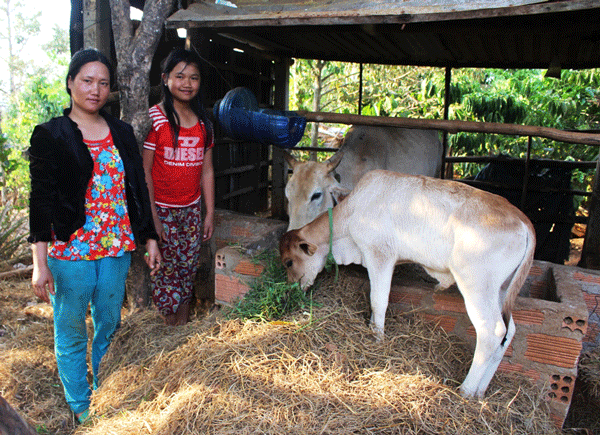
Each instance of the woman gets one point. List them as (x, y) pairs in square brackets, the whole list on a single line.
[(89, 208), (179, 173)]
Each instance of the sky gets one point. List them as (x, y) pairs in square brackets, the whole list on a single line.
[(58, 12), (53, 12)]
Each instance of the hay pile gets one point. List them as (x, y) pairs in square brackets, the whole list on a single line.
[(319, 372), (589, 372), (28, 375)]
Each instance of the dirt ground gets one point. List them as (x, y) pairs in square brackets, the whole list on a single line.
[(29, 381)]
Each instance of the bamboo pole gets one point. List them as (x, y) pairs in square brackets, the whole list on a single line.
[(453, 126)]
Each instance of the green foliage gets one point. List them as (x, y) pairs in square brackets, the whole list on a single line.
[(12, 236), (523, 97), (40, 100), (270, 297), (36, 93)]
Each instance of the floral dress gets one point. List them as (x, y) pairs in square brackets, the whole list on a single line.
[(107, 231)]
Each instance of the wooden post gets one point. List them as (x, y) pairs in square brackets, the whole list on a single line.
[(97, 26), (360, 89), (279, 168), (447, 102), (526, 175), (11, 423), (590, 252)]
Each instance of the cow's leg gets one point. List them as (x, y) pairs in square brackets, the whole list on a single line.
[(496, 359), (483, 307), (445, 279), (380, 278)]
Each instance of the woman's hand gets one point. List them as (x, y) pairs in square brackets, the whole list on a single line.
[(42, 280), (152, 256)]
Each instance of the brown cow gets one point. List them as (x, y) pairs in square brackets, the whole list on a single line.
[(459, 234), (314, 187)]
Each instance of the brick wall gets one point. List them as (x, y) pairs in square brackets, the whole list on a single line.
[(551, 312)]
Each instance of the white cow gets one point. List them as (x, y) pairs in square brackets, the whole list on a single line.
[(456, 232), (314, 187)]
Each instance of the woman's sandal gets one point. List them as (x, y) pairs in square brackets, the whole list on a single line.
[(84, 416)]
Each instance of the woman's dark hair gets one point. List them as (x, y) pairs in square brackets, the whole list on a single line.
[(83, 57), (188, 57)]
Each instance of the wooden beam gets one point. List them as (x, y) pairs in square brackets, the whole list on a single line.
[(453, 126), (16, 272)]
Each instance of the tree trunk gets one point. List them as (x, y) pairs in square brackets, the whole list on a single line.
[(11, 423), (134, 59)]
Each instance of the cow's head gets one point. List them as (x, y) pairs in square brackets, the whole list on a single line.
[(312, 189), (302, 260)]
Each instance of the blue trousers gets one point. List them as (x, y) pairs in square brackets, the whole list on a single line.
[(78, 284)]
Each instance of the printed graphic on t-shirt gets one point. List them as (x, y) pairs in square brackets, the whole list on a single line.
[(187, 153)]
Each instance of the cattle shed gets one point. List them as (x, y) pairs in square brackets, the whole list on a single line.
[(251, 43)]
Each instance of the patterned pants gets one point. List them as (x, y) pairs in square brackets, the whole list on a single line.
[(173, 284)]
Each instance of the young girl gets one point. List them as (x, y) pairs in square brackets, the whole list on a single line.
[(179, 172)]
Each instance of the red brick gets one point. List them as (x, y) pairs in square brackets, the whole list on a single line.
[(248, 268), (592, 333), (538, 289), (241, 232), (561, 388), (447, 323), (446, 302), (528, 317), (229, 289), (535, 270), (402, 297), (508, 367), (575, 324), (586, 278), (557, 351), (591, 300), (471, 332)]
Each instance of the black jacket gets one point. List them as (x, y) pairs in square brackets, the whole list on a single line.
[(61, 167)]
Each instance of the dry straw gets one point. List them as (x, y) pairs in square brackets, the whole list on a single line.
[(312, 373)]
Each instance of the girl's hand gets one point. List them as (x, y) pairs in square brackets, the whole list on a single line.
[(208, 228), (42, 282), (160, 229), (152, 256)]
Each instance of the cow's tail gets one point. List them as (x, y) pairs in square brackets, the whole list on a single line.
[(520, 274)]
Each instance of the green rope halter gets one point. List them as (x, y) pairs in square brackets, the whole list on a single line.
[(330, 259)]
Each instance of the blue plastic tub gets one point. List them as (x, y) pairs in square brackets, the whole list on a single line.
[(240, 117)]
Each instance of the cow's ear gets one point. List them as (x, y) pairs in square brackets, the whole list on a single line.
[(308, 248), (290, 159), (339, 193), (334, 160)]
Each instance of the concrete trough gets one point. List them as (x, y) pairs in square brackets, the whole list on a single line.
[(556, 312)]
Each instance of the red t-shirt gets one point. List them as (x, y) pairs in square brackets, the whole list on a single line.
[(176, 174)]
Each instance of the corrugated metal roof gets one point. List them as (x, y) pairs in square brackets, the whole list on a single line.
[(505, 34)]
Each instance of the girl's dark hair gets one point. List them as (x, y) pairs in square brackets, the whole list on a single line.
[(197, 105), (83, 57)]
